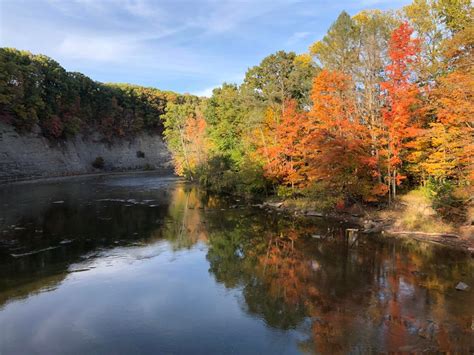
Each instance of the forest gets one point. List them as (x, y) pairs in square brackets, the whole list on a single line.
[(381, 105), (36, 90)]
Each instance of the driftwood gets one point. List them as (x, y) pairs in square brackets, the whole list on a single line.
[(442, 235)]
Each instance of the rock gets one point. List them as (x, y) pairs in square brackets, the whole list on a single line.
[(274, 204), (461, 286), (31, 155), (314, 214), (372, 227), (369, 224), (315, 265), (429, 331)]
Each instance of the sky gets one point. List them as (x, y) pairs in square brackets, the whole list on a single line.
[(182, 45)]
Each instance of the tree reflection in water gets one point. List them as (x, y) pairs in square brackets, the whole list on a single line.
[(347, 292), (342, 291)]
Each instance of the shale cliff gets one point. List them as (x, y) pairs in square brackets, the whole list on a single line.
[(31, 155)]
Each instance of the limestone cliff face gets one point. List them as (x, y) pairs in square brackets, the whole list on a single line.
[(30, 155)]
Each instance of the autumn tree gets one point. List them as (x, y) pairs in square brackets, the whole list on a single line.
[(450, 138), (424, 18), (282, 151), (455, 14), (339, 144), (184, 128), (400, 124)]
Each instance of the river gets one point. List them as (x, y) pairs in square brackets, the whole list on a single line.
[(142, 263)]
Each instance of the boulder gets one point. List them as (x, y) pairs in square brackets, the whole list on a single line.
[(461, 286)]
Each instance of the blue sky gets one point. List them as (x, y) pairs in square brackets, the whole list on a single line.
[(185, 46)]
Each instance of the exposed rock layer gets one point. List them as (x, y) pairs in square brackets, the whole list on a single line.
[(30, 155)]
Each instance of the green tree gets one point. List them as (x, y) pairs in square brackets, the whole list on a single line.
[(175, 122), (225, 116), (280, 77), (338, 50)]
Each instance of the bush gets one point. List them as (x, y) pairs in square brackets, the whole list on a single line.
[(220, 175), (447, 198), (324, 197), (140, 154), (98, 163)]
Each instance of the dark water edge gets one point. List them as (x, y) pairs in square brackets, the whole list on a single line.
[(75, 176), (143, 263)]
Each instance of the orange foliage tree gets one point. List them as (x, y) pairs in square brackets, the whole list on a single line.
[(400, 126), (326, 145), (285, 160), (339, 144)]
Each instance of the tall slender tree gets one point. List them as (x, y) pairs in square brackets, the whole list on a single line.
[(401, 99)]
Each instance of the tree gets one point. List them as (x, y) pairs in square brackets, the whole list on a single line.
[(225, 116), (425, 20), (338, 144), (177, 128), (280, 77), (449, 141), (285, 160), (338, 50), (455, 14), (375, 28), (401, 99)]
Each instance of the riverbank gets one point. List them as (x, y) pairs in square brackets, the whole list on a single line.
[(410, 217)]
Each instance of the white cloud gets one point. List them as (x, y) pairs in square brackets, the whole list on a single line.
[(297, 36), (205, 92), (96, 48), (141, 8)]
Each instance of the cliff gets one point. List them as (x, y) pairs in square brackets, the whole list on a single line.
[(31, 155)]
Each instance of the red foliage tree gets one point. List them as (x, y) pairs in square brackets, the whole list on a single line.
[(401, 99)]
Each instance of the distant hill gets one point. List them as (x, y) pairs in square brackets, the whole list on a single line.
[(35, 90)]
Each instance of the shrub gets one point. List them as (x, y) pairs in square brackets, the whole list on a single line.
[(220, 175), (53, 127), (324, 196), (98, 163), (447, 198)]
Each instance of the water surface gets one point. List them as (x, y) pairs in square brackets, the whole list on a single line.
[(142, 263)]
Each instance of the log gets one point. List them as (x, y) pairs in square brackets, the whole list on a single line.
[(442, 235)]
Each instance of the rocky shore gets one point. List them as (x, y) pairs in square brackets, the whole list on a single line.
[(373, 222)]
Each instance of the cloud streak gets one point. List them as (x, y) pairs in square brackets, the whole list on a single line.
[(182, 45)]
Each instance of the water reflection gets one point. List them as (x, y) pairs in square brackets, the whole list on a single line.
[(163, 264)]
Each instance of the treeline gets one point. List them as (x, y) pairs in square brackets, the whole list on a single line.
[(36, 90), (383, 102)]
